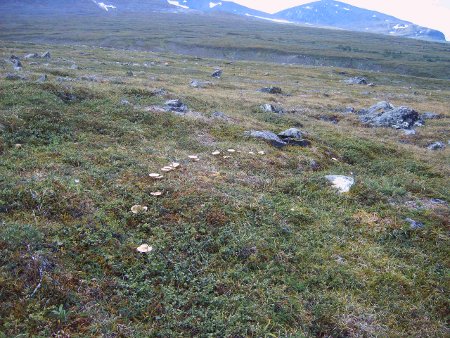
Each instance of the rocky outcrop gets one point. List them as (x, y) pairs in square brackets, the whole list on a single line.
[(384, 114)]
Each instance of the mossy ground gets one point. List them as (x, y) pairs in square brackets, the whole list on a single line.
[(253, 245)]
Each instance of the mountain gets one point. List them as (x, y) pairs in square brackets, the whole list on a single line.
[(336, 14), (325, 13)]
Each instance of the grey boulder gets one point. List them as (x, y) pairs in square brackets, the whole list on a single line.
[(291, 133), (266, 135), (270, 108), (383, 114), (200, 84), (358, 80), (271, 90), (217, 74), (176, 106), (31, 56), (436, 146)]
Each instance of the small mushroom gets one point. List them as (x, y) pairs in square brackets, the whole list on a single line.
[(135, 209), (261, 152), (225, 157), (251, 153), (231, 150), (215, 153), (156, 193), (166, 169), (175, 165), (144, 248), (155, 176)]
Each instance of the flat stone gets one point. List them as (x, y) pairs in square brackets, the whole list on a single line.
[(266, 135)]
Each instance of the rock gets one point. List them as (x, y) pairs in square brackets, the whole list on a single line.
[(383, 114), (430, 116), (358, 80), (414, 224), (269, 108), (14, 77), (200, 84), (124, 102), (291, 136), (42, 78), (31, 56), (436, 146), (17, 65), (46, 55), (220, 116), (377, 108), (266, 135), (291, 133), (13, 57), (333, 119), (217, 74), (314, 165), (371, 84), (90, 78), (176, 106), (74, 67), (64, 79), (341, 183), (159, 92), (409, 132), (271, 90)]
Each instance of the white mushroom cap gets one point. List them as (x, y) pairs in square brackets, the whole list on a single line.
[(175, 165), (155, 175), (135, 209), (231, 150), (216, 153), (144, 248), (261, 152), (156, 193), (193, 157)]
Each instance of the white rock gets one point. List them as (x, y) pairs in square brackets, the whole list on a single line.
[(341, 183)]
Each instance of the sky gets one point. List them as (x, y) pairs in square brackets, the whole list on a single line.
[(428, 13)]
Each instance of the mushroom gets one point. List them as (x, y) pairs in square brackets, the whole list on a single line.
[(261, 152), (135, 209), (231, 150), (156, 193), (175, 165), (144, 248), (215, 153), (155, 176)]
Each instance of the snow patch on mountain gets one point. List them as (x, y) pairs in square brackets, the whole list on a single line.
[(214, 4), (269, 19), (104, 6), (177, 3)]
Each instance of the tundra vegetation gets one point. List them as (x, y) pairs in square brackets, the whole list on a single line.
[(235, 237)]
